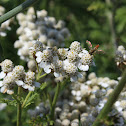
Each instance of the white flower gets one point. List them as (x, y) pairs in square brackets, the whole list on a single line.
[(6, 66), (85, 60), (29, 82), (70, 68), (8, 84), (72, 56), (18, 72), (46, 66), (58, 67), (118, 106), (37, 46), (62, 52), (44, 56), (75, 46)]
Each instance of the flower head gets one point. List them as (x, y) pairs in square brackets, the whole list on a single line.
[(75, 46)]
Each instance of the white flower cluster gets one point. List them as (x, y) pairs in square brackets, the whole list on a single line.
[(43, 28), (13, 76), (63, 61), (85, 100), (4, 26), (121, 56)]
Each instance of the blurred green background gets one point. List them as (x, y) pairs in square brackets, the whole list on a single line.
[(102, 22)]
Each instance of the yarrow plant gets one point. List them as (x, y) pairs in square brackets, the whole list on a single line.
[(41, 44), (62, 62), (13, 76)]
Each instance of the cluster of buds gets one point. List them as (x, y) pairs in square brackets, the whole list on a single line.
[(63, 61), (4, 26), (121, 57), (39, 26), (82, 102), (12, 76)]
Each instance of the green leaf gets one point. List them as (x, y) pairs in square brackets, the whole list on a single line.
[(30, 100), (9, 102), (43, 86), (96, 6)]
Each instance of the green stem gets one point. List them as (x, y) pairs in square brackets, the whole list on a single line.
[(50, 100), (16, 10), (39, 77), (19, 108), (54, 101), (111, 100), (37, 66), (35, 9), (28, 95)]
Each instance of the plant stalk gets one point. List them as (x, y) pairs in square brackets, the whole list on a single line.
[(111, 100), (54, 101), (40, 76), (16, 10)]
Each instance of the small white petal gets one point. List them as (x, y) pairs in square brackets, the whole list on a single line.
[(1, 83), (105, 85), (10, 92), (42, 64), (2, 75), (38, 59), (19, 52), (31, 88), (19, 82), (78, 98), (88, 82), (117, 103), (84, 67), (78, 93), (56, 74), (73, 92), (25, 86), (38, 54), (3, 34), (47, 69), (3, 89), (119, 109)]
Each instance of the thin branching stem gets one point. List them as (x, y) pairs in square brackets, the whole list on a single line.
[(54, 101), (111, 100), (50, 100), (40, 76), (26, 99), (16, 10)]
